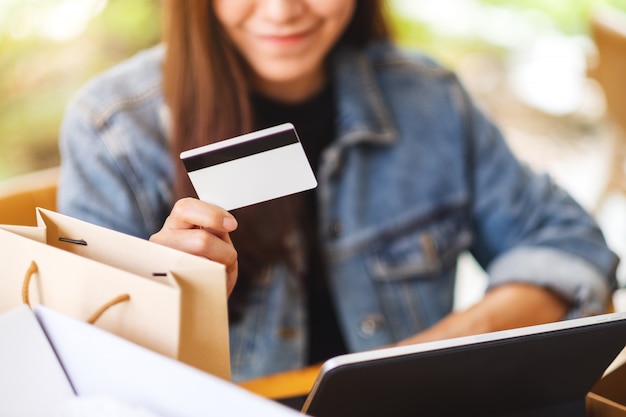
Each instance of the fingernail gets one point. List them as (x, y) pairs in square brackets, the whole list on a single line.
[(230, 223)]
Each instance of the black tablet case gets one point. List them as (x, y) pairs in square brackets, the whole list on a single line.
[(543, 374)]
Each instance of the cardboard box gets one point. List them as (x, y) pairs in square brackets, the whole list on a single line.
[(608, 396)]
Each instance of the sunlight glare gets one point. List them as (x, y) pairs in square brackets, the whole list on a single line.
[(70, 18), (58, 20)]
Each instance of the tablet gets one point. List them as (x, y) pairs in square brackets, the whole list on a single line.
[(537, 371)]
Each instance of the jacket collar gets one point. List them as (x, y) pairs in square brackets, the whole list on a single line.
[(362, 115)]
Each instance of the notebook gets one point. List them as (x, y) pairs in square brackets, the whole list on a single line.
[(536, 371)]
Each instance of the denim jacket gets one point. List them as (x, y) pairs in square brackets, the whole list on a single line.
[(416, 176)]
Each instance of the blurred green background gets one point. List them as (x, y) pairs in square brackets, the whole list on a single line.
[(49, 48)]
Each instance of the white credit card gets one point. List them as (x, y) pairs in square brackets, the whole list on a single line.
[(251, 168)]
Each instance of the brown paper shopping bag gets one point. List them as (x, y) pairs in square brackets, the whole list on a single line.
[(607, 398), (165, 300)]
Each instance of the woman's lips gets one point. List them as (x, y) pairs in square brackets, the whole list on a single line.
[(285, 39)]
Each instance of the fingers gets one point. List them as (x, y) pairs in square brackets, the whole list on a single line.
[(202, 242), (189, 213), (201, 229), (205, 243)]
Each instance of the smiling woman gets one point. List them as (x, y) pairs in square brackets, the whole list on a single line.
[(368, 258), (284, 50)]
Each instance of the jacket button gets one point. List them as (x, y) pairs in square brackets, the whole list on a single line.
[(334, 230), (371, 325), (287, 332)]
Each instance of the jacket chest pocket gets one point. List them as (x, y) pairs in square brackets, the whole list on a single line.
[(425, 251)]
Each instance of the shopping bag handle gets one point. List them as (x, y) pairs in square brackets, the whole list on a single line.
[(32, 269), (96, 315)]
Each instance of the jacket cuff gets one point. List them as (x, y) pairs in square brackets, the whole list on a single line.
[(580, 283)]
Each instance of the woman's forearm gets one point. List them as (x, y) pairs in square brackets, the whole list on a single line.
[(505, 307)]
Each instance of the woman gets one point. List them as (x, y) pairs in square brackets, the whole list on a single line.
[(410, 175)]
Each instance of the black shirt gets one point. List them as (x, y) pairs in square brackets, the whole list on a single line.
[(314, 121)]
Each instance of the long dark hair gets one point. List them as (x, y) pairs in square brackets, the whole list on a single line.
[(207, 92)]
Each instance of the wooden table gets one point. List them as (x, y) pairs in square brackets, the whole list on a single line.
[(284, 384)]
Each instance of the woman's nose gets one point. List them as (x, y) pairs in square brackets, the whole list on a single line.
[(282, 10)]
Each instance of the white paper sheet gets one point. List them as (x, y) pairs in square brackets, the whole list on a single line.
[(32, 382), (99, 363)]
